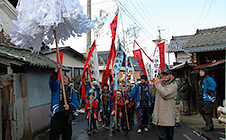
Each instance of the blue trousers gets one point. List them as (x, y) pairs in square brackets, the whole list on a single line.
[(143, 116)]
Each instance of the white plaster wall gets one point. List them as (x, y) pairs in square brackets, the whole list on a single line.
[(7, 14), (182, 57), (68, 60)]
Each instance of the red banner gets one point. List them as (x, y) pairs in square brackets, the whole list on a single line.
[(162, 55), (84, 69), (61, 62), (143, 51), (113, 26), (112, 52), (106, 74), (138, 56)]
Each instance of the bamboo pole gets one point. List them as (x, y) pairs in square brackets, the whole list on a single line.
[(90, 112), (62, 81), (127, 120), (116, 110)]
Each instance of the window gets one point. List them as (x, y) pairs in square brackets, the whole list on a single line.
[(77, 71)]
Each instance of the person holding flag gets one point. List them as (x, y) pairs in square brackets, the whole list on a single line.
[(61, 114), (143, 99)]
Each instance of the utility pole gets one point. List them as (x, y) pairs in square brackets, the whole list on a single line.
[(88, 39), (158, 40)]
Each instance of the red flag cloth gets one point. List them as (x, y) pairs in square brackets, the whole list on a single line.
[(162, 55), (112, 52), (61, 62), (113, 60), (84, 69), (106, 74), (113, 26), (143, 51), (138, 56)]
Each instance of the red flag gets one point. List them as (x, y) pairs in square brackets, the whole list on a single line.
[(113, 26), (113, 60), (162, 55), (106, 74), (112, 52), (84, 69), (138, 56), (61, 62), (143, 51)]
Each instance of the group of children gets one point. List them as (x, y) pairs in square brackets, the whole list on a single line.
[(108, 104)]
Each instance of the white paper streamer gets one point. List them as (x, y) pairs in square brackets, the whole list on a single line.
[(37, 19)]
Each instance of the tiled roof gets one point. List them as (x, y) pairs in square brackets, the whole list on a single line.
[(211, 39), (177, 43), (26, 56)]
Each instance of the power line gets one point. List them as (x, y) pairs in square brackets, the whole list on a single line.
[(132, 17), (207, 13), (141, 16), (146, 15), (201, 14)]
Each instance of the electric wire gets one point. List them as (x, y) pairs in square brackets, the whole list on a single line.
[(142, 15), (201, 14), (207, 13), (124, 9), (145, 13)]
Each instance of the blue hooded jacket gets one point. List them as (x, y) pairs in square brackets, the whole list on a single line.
[(55, 97), (135, 93), (209, 84)]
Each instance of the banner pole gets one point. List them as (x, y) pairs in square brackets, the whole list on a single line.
[(61, 74)]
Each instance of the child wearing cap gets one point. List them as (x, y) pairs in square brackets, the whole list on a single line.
[(106, 105), (91, 109), (117, 106)]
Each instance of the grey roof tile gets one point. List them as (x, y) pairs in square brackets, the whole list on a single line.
[(27, 56), (207, 37), (177, 43)]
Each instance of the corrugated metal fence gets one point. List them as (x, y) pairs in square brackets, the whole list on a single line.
[(14, 110)]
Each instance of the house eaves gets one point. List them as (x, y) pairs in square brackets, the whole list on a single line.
[(209, 65), (26, 57), (206, 48), (183, 65)]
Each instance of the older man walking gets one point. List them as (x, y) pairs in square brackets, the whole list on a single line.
[(164, 91)]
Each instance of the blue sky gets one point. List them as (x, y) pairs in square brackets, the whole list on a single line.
[(174, 17)]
